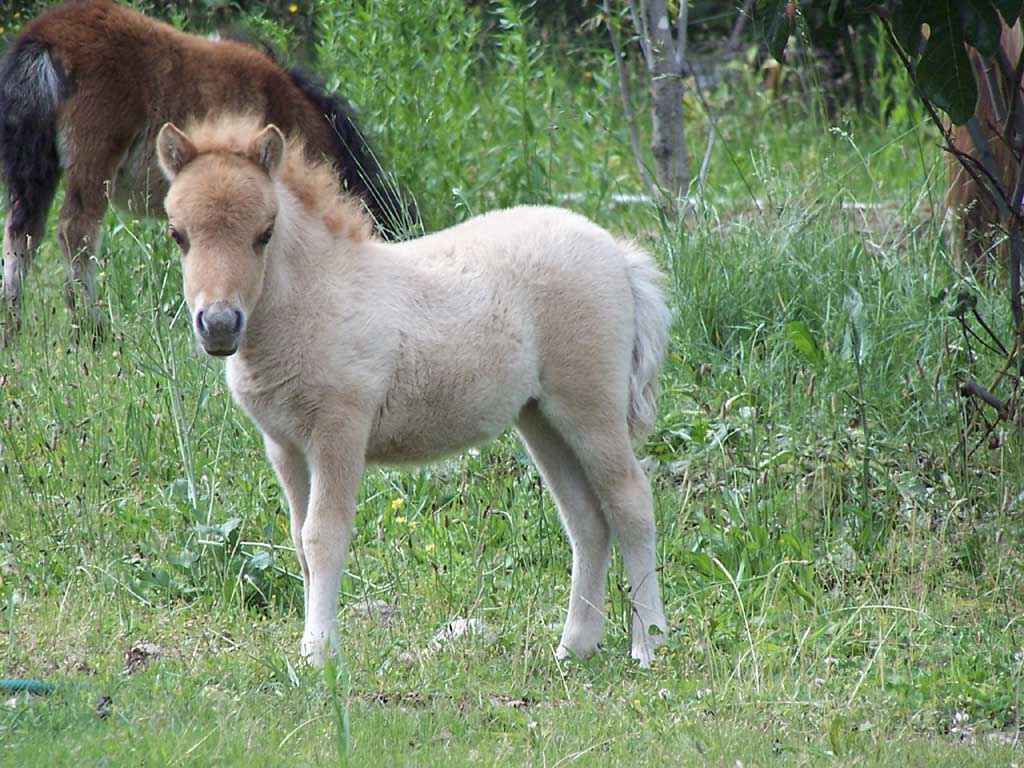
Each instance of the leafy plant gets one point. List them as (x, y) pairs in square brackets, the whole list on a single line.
[(946, 80)]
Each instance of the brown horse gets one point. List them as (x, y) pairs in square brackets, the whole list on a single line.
[(84, 90)]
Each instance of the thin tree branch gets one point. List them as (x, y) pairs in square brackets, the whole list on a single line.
[(990, 427), (1015, 116), (699, 89), (994, 91), (681, 28), (705, 164), (634, 138), (981, 320), (973, 389), (1016, 249), (640, 24), (739, 27), (977, 337), (971, 357), (988, 162), (978, 173)]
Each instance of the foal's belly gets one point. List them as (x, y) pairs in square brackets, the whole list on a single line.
[(456, 390), (432, 434)]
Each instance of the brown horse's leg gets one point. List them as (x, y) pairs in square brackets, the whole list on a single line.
[(79, 235), (93, 151), (23, 232)]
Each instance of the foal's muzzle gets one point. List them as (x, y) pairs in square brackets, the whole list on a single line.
[(219, 327)]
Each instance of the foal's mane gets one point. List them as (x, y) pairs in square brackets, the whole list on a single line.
[(314, 183)]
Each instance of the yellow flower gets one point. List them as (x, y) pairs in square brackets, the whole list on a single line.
[(412, 525), (429, 548), (2, 30), (397, 504), (293, 8), (400, 520)]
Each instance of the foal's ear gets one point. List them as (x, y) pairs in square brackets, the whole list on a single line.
[(174, 150), (267, 149)]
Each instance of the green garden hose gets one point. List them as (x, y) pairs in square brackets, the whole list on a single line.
[(29, 686)]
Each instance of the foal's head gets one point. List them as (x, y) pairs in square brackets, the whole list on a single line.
[(221, 208)]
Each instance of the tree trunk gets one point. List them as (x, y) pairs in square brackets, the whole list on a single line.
[(668, 139), (665, 55)]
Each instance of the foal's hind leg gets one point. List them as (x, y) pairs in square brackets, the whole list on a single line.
[(602, 445), (586, 526)]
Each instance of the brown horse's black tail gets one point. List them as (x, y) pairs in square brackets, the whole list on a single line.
[(32, 86), (357, 163)]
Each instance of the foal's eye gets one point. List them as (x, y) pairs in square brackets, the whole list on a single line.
[(177, 237), (264, 238)]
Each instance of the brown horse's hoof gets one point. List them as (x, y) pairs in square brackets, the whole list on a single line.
[(10, 326), (89, 331)]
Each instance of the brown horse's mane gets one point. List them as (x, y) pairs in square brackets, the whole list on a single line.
[(314, 183)]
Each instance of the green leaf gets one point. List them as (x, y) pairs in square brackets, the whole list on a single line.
[(179, 489), (1010, 10), (185, 560), (703, 563), (946, 77), (801, 590), (835, 736), (260, 561), (801, 337), (966, 301), (855, 341), (981, 25), (775, 22), (836, 12), (906, 25), (222, 531)]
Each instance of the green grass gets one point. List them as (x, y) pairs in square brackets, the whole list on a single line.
[(841, 563)]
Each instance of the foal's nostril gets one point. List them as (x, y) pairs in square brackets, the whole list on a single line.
[(219, 325)]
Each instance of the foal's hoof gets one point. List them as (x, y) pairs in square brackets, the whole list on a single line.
[(645, 646), (313, 654), (565, 651), (316, 649)]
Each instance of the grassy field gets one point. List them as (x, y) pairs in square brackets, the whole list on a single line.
[(841, 550)]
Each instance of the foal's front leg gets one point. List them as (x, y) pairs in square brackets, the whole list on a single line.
[(293, 472), (336, 459)]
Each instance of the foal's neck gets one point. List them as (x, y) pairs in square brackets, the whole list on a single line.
[(295, 268)]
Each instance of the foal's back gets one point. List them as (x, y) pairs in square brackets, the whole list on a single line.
[(528, 303)]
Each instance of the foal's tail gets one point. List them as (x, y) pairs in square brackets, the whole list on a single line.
[(32, 86), (650, 340)]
